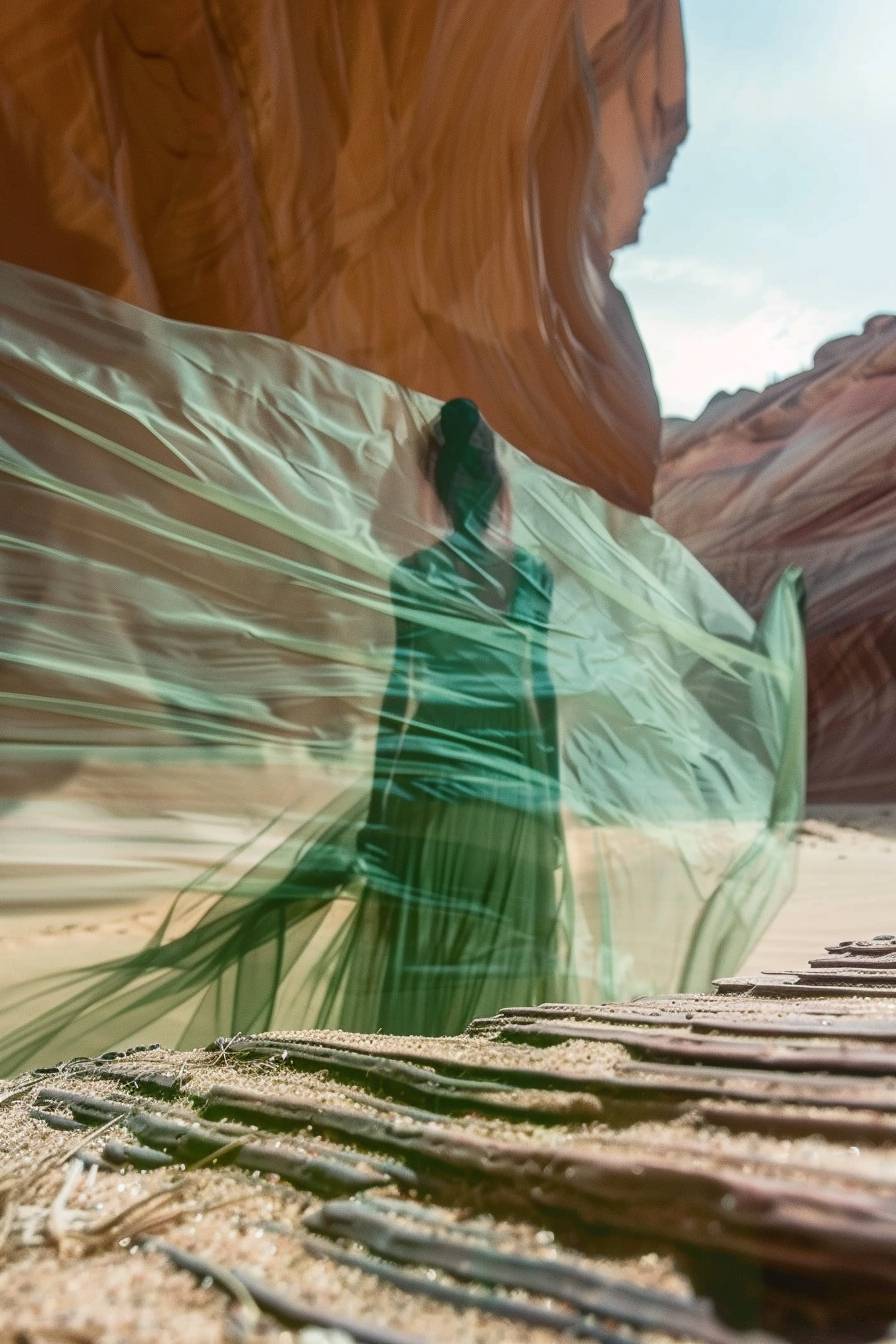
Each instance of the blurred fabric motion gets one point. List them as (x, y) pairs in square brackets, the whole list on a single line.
[(201, 527)]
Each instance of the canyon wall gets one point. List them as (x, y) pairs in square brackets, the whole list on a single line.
[(804, 473), (429, 189)]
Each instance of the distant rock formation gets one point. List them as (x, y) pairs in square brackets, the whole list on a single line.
[(428, 190), (805, 473)]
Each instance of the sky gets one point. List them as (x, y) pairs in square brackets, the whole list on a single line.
[(776, 229)]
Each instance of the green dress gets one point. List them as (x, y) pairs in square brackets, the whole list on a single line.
[(460, 911)]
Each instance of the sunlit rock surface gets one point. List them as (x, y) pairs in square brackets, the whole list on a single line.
[(805, 473), (430, 189)]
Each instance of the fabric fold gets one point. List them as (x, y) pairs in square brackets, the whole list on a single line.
[(201, 535)]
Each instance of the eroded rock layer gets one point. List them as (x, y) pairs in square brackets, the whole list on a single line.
[(704, 1168), (428, 188), (805, 473)]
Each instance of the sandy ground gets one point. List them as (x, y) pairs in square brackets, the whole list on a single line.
[(846, 886)]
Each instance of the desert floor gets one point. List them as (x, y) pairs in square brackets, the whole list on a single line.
[(846, 888)]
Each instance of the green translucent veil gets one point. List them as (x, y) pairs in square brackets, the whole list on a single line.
[(261, 723)]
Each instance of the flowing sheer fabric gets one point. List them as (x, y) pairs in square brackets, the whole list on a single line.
[(244, 661)]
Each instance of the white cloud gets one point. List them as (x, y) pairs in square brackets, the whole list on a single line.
[(708, 328), (638, 267)]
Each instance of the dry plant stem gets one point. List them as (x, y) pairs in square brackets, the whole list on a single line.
[(225, 1148), (290, 1312), (13, 1181), (56, 1219), (493, 1304), (87, 1136), (114, 1221), (229, 1282), (392, 1232), (144, 1217), (126, 1226), (6, 1216), (17, 1092)]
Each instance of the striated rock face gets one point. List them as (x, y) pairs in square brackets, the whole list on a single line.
[(709, 1169), (805, 473), (636, 52), (430, 189)]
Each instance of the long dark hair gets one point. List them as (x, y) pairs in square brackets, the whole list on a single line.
[(462, 464)]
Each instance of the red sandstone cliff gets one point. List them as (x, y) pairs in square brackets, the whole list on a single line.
[(805, 473), (426, 188)]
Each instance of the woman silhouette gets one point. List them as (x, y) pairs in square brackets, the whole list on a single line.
[(459, 915), (452, 880)]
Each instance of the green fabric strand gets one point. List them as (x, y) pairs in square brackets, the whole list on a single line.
[(399, 774)]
